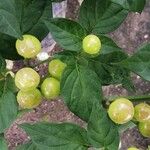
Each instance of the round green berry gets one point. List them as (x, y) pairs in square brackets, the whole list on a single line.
[(56, 68), (144, 128), (28, 47), (121, 111), (29, 99), (50, 88), (142, 112), (27, 79), (91, 45)]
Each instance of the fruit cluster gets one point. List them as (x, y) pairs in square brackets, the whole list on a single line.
[(122, 111), (27, 79)]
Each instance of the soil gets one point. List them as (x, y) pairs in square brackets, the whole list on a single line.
[(135, 31)]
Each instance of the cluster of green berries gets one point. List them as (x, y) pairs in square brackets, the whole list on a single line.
[(122, 111), (27, 79), (30, 95)]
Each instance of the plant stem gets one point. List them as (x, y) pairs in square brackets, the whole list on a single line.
[(131, 98)]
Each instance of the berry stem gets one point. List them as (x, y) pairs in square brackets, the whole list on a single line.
[(131, 98)]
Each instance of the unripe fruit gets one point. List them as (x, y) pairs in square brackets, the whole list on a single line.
[(132, 148), (142, 112), (29, 47), (121, 111), (91, 44), (50, 88), (29, 99), (27, 79), (144, 128), (56, 68)]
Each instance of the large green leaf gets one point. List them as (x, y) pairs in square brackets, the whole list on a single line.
[(102, 132), (139, 63), (132, 5), (103, 64), (8, 5), (8, 103), (64, 136), (80, 88), (7, 49), (101, 16), (31, 16), (28, 146), (9, 24), (8, 109), (3, 144), (67, 33)]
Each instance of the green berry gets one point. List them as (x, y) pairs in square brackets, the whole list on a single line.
[(56, 68), (144, 128), (121, 111), (91, 45), (50, 88), (29, 99), (132, 148), (28, 47), (142, 112), (27, 79)]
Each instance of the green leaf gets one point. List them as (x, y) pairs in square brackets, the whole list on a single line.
[(8, 102), (67, 33), (102, 132), (101, 16), (8, 5), (28, 146), (57, 1), (3, 144), (8, 110), (7, 49), (32, 14), (64, 136), (80, 88), (2, 65), (9, 24), (132, 5), (7, 83), (108, 45), (139, 63), (103, 64)]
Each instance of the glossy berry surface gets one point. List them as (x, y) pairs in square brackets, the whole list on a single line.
[(142, 112), (144, 128), (50, 88), (28, 47), (56, 68), (29, 99), (91, 44), (121, 111), (27, 79)]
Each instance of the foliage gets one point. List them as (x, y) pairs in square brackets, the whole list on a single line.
[(83, 76)]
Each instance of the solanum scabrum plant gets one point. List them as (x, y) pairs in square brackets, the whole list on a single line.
[(89, 60)]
